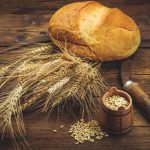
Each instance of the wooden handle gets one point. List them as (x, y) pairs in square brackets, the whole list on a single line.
[(140, 96)]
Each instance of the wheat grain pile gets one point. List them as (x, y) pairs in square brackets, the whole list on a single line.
[(83, 131), (116, 102)]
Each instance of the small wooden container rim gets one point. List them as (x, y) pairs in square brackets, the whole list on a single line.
[(114, 91)]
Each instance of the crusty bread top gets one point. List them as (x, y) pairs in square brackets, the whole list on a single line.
[(95, 31)]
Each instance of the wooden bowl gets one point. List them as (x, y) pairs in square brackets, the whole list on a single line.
[(116, 121)]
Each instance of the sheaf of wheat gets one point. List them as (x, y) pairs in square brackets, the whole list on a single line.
[(46, 79)]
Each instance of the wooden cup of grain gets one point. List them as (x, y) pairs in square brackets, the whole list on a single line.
[(117, 112)]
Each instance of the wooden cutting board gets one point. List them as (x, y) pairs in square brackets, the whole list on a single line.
[(22, 21)]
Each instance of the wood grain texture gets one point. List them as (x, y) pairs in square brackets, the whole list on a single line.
[(23, 21), (41, 137)]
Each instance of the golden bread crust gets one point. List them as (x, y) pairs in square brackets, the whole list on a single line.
[(92, 30)]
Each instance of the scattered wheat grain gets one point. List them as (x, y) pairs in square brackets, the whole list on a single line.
[(62, 126), (55, 131)]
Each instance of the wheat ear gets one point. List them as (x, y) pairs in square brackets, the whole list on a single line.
[(46, 48), (8, 108)]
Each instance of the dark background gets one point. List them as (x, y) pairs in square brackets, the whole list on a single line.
[(22, 21)]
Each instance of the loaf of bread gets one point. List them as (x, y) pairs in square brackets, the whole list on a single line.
[(92, 30)]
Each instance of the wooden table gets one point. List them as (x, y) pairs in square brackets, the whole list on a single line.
[(23, 21)]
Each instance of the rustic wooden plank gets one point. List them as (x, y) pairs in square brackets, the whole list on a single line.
[(23, 22), (140, 64), (46, 6), (40, 136), (114, 80), (20, 29)]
